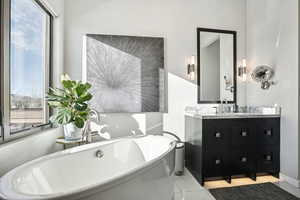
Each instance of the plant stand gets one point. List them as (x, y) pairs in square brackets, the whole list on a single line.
[(67, 143)]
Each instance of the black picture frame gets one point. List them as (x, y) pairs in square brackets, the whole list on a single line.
[(234, 33)]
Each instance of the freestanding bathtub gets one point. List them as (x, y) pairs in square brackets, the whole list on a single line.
[(138, 168)]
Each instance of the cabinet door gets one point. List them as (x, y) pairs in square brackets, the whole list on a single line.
[(216, 164), (242, 162), (268, 159), (216, 134), (268, 131), (243, 133)]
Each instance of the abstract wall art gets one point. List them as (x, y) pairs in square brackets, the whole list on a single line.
[(127, 73)]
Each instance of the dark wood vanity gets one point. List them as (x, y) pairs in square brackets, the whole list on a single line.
[(225, 147), (224, 144)]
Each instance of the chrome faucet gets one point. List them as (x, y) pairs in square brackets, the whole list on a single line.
[(87, 132), (226, 102), (225, 106), (96, 114), (221, 108)]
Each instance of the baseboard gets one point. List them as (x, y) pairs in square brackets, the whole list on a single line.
[(290, 180)]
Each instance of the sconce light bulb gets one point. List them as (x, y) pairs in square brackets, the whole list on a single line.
[(244, 77), (192, 76), (244, 63), (193, 60)]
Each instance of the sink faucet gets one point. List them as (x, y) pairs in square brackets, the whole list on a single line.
[(96, 114), (226, 102), (225, 106), (87, 132)]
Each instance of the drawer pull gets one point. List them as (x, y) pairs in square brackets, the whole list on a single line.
[(218, 135), (268, 157), (244, 159), (244, 134), (268, 132), (218, 161)]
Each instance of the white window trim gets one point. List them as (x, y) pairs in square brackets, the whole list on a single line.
[(5, 134), (48, 7)]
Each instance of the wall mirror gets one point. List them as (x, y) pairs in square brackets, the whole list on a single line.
[(217, 65)]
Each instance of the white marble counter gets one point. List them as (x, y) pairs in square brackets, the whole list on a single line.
[(230, 115)]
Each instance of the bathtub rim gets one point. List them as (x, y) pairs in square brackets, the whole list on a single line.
[(10, 193)]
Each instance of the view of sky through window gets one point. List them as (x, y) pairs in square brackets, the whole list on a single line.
[(27, 63), (27, 48)]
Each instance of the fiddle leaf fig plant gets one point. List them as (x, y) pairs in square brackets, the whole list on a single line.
[(70, 102)]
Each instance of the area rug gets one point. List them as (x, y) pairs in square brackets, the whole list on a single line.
[(265, 191)]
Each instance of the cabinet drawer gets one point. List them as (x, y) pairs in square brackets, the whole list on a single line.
[(268, 159), (216, 134), (216, 164), (243, 134), (268, 132), (242, 162)]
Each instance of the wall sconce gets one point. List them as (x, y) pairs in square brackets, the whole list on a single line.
[(242, 71), (191, 68)]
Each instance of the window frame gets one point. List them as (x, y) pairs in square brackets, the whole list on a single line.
[(5, 134)]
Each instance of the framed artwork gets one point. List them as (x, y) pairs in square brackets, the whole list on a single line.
[(126, 72)]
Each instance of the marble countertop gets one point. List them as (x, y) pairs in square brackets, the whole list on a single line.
[(231, 115)]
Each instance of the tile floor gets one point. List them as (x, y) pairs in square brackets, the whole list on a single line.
[(187, 188)]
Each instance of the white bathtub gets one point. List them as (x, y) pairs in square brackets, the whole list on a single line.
[(131, 169)]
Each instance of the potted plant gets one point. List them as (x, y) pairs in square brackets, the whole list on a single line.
[(71, 106)]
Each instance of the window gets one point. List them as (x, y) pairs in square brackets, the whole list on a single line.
[(26, 66)]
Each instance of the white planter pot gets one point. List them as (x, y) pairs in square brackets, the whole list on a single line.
[(72, 132)]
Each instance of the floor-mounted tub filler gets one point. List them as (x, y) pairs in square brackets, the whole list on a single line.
[(137, 168)]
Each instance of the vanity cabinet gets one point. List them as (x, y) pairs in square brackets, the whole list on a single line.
[(227, 147)]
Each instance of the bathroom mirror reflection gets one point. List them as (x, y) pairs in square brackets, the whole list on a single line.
[(217, 66)]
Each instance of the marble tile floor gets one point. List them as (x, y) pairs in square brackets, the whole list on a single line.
[(187, 188)]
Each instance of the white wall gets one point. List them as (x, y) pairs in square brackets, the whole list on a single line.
[(272, 39), (175, 20), (213, 14), (20, 151)]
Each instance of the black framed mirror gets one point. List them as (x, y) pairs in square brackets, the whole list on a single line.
[(217, 60)]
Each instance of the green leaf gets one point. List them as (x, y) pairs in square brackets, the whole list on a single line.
[(54, 104), (56, 98), (84, 115), (80, 89), (79, 122), (85, 97), (56, 95), (68, 84), (57, 91), (53, 118), (65, 77), (88, 86), (63, 116), (81, 106)]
